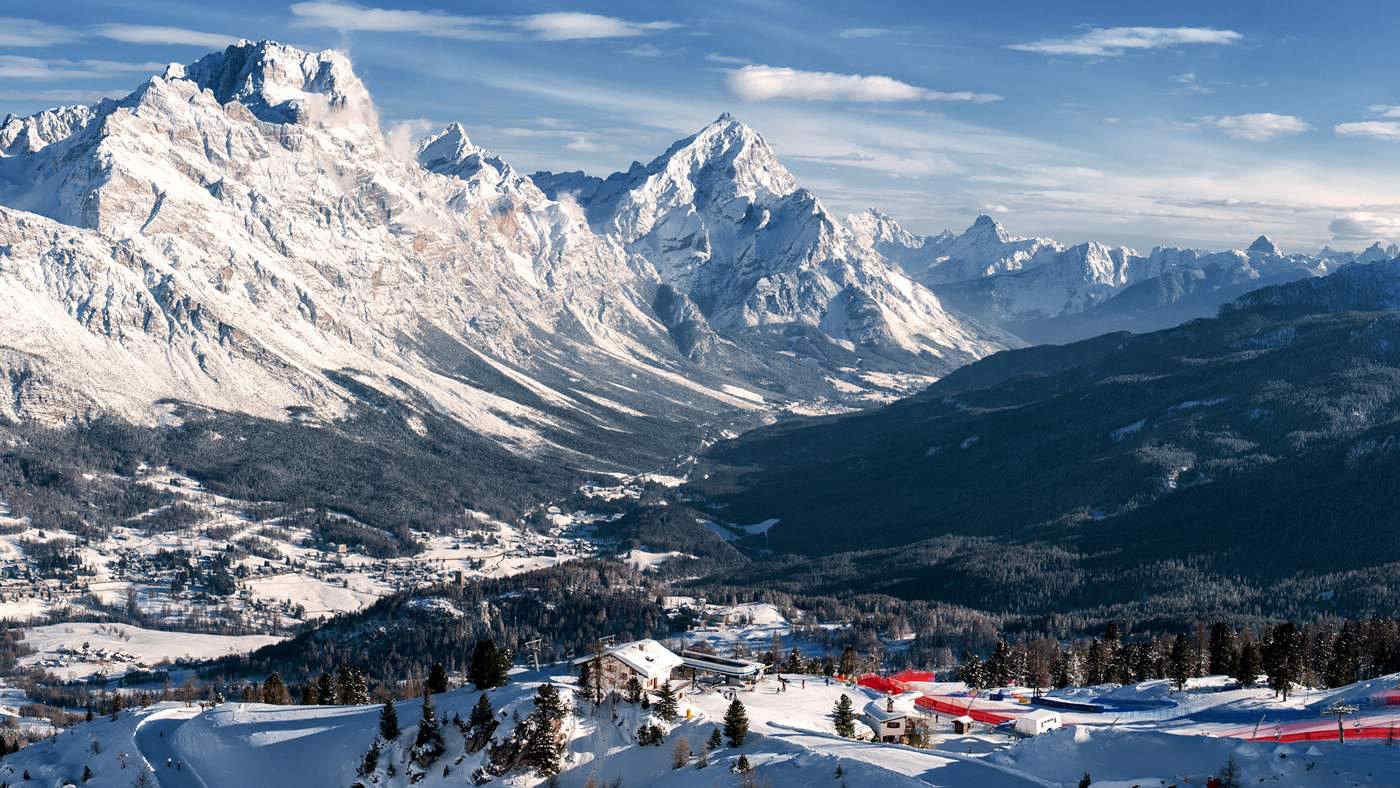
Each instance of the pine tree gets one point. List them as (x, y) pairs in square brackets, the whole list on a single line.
[(274, 691), (971, 671), (543, 750), (794, 661), (1180, 663), (847, 666), (371, 759), (437, 679), (715, 741), (1085, 781), (1247, 667), (999, 666), (87, 773), (480, 724), (1222, 650), (344, 685), (1283, 658), (668, 708), (736, 724), (490, 666), (325, 690), (308, 694), (743, 764), (844, 716), (633, 690), (428, 746), (389, 722), (1095, 664)]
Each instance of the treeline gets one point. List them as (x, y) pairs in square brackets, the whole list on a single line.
[(1324, 653)]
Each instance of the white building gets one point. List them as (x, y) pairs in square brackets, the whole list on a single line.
[(1037, 721), (650, 662), (896, 718)]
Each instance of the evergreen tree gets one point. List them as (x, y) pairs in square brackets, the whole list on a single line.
[(743, 764), (389, 722), (1180, 662), (1222, 650), (308, 694), (844, 717), (544, 752), (371, 759), (274, 691), (849, 660), (1095, 664), (325, 690), (999, 666), (736, 723), (87, 773), (437, 679), (971, 671), (1247, 667), (428, 746), (1283, 658), (680, 754), (1067, 672), (793, 664), (715, 741), (633, 690), (490, 666), (668, 708), (359, 688), (480, 724), (344, 685)]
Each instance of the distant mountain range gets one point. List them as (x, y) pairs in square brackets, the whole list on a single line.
[(1044, 291)]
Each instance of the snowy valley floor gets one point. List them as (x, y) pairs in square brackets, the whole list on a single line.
[(791, 743)]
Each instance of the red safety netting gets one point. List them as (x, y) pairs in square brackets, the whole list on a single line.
[(881, 684), (960, 707), (913, 675)]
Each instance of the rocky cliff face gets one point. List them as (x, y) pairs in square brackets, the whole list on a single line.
[(237, 233)]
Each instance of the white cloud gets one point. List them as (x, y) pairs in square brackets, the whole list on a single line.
[(1114, 41), (994, 207), (15, 32), (726, 59), (1385, 110), (1365, 226), (156, 34), (559, 26), (1259, 126), (1190, 83), (1375, 129), (760, 83), (864, 32), (20, 67), (568, 25), (644, 50)]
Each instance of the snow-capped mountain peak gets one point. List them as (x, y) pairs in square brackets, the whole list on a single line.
[(1264, 245), (282, 84), (986, 230)]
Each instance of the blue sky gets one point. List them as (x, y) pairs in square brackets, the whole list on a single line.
[(1189, 123)]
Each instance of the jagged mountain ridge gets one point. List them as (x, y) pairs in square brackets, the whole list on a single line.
[(729, 229), (238, 234), (1044, 291)]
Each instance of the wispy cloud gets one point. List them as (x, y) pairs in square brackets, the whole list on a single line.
[(864, 32), (1375, 129), (1385, 110), (1259, 126), (760, 83), (558, 26), (1115, 41), (15, 32), (644, 50), (33, 68), (727, 59), (157, 34), (565, 26), (1191, 84)]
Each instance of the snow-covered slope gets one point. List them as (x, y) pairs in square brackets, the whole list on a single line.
[(729, 228), (238, 233)]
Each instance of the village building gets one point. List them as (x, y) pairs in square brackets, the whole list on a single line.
[(646, 660), (896, 719), (963, 724), (1037, 721)]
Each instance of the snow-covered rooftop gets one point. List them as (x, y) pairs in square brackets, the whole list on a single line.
[(646, 656)]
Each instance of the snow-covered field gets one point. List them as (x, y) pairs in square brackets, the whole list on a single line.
[(75, 651)]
